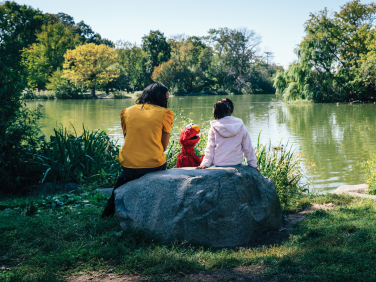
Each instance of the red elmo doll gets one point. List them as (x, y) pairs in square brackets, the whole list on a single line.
[(188, 139)]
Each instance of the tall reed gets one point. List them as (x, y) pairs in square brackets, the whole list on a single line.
[(370, 175), (282, 165), (90, 157)]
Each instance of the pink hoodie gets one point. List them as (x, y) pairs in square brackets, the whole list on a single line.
[(228, 140)]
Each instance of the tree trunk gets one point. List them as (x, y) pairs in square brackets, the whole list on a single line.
[(93, 93)]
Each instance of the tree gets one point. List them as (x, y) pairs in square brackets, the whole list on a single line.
[(91, 65), (190, 59), (331, 56), (47, 55), (84, 31), (236, 53), (18, 130), (157, 51), (18, 27), (130, 59)]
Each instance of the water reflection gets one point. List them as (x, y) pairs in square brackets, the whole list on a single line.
[(337, 138)]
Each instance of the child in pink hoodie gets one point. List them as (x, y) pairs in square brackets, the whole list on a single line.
[(228, 139)]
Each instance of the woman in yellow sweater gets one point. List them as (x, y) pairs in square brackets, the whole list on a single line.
[(146, 128)]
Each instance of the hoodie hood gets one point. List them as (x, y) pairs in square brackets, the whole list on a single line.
[(227, 126)]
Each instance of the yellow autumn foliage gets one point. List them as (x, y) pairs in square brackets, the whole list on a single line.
[(91, 65)]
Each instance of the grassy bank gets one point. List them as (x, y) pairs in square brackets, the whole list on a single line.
[(64, 236)]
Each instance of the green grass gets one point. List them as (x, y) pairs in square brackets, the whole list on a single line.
[(50, 242)]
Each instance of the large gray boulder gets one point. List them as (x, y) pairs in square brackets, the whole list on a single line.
[(218, 207)]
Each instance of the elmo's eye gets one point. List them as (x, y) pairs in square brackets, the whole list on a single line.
[(189, 126)]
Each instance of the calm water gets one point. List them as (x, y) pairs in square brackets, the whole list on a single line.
[(336, 138)]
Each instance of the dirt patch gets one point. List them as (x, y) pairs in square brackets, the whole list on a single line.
[(104, 278), (235, 274), (316, 207)]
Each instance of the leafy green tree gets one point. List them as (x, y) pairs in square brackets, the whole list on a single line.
[(236, 54), (84, 31), (18, 26), (63, 88), (91, 65), (157, 51), (47, 55), (18, 126), (190, 59), (130, 59), (331, 56)]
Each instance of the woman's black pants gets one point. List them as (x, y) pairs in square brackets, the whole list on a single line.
[(128, 174)]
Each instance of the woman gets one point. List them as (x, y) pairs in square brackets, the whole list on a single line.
[(146, 128)]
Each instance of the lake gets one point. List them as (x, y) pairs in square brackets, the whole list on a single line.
[(335, 137)]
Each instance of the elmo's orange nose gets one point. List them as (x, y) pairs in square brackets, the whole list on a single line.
[(196, 128)]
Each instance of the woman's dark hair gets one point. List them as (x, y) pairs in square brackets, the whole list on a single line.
[(223, 108), (154, 94)]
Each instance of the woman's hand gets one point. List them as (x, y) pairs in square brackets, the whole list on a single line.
[(201, 167)]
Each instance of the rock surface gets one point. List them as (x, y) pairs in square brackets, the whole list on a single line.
[(218, 207), (361, 188), (48, 188)]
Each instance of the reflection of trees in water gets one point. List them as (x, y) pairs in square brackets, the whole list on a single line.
[(337, 138)]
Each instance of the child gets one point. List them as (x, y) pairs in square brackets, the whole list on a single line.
[(228, 139)]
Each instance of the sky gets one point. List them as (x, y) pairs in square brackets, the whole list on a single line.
[(280, 23)]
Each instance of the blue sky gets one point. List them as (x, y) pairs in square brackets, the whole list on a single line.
[(280, 23)]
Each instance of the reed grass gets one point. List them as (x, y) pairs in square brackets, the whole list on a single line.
[(282, 165), (370, 175), (88, 158)]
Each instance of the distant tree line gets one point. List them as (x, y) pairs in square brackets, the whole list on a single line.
[(37, 45), (224, 60), (336, 59)]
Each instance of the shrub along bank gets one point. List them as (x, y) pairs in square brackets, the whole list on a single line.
[(370, 175)]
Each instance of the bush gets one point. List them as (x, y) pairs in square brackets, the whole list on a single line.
[(370, 175), (31, 94), (19, 143), (282, 165), (90, 157), (120, 95), (222, 92), (62, 87), (210, 92)]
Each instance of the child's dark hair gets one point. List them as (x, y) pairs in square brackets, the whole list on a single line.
[(154, 94), (223, 108)]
